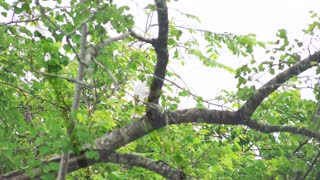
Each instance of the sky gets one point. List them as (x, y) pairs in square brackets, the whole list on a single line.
[(261, 17)]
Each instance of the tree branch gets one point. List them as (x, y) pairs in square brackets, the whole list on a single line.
[(78, 162), (194, 95), (42, 11), (141, 38), (161, 49), (161, 118), (114, 79), (159, 167), (73, 49), (63, 168), (121, 136), (254, 101), (311, 165), (91, 16), (21, 21), (25, 92), (62, 77), (265, 128), (106, 42), (103, 44)]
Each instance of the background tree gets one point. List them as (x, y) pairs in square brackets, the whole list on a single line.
[(67, 76)]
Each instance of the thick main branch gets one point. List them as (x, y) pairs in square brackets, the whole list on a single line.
[(254, 101), (161, 49), (78, 162), (161, 118)]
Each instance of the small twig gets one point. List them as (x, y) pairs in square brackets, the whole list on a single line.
[(202, 30), (141, 38), (106, 42), (310, 43), (42, 11), (86, 20), (311, 166), (266, 128), (185, 84), (316, 114), (192, 94), (63, 77), (14, 86), (301, 145), (114, 79), (23, 21), (12, 16), (148, 22), (251, 145), (37, 97), (77, 27), (73, 49)]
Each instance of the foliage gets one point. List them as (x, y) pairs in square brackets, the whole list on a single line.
[(40, 52)]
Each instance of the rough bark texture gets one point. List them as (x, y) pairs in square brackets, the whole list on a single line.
[(156, 117), (160, 46), (252, 103), (78, 162)]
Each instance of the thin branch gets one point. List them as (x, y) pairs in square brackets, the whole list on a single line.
[(148, 22), (43, 13), (14, 86), (103, 44), (311, 165), (106, 42), (63, 77), (114, 79), (192, 94), (316, 115), (63, 168), (185, 84), (252, 144), (265, 128), (73, 49), (141, 38), (22, 21), (254, 101), (31, 94), (301, 145), (203, 30), (90, 17)]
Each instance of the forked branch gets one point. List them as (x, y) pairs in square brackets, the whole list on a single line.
[(254, 101)]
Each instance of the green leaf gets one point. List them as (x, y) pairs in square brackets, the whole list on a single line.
[(92, 155), (4, 14), (183, 93)]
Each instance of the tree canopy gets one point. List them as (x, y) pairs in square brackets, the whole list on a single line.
[(68, 71)]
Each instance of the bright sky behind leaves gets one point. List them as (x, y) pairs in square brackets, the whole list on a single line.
[(261, 17)]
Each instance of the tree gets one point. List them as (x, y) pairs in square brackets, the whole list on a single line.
[(67, 77)]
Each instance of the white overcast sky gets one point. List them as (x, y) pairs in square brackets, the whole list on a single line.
[(261, 17)]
